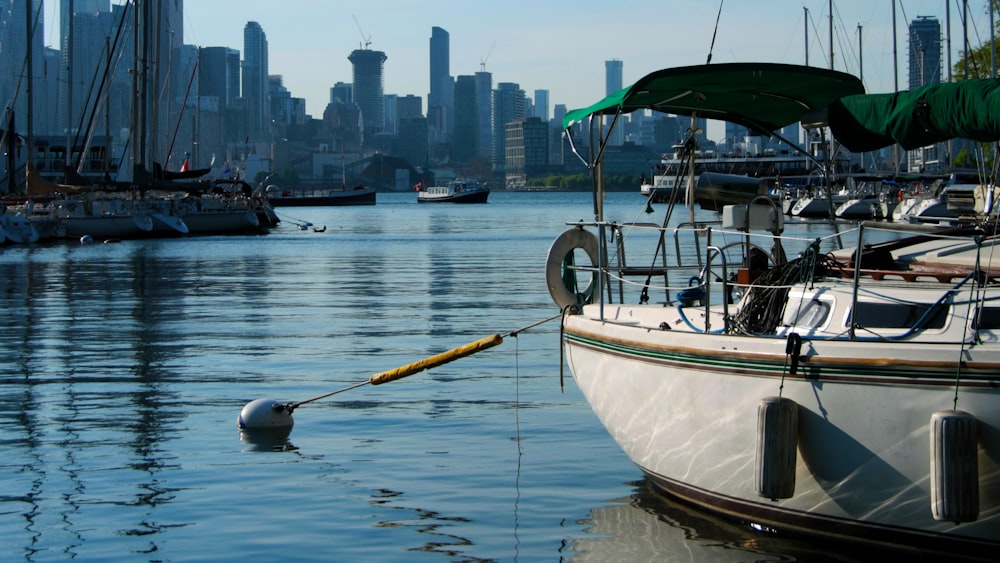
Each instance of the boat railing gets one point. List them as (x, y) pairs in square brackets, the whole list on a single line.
[(616, 272)]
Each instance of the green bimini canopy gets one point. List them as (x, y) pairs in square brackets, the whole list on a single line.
[(969, 109), (763, 96)]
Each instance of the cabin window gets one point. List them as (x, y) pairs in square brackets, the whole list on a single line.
[(810, 313), (899, 315), (988, 319)]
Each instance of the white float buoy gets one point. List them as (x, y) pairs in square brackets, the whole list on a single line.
[(777, 437), (265, 414), (86, 239), (954, 467)]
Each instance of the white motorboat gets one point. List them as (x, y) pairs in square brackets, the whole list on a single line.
[(455, 191), (16, 228), (852, 394)]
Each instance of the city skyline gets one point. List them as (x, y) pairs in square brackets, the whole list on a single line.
[(557, 49)]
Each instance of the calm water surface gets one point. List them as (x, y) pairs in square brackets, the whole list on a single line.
[(124, 368)]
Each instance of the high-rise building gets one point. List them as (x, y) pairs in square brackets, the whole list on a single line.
[(612, 84), (341, 93), (509, 104), (542, 105), (925, 51), (13, 55), (527, 150), (84, 55), (410, 106), (465, 139), (368, 89), (925, 68), (219, 74), (484, 107), (255, 81), (442, 93), (612, 76)]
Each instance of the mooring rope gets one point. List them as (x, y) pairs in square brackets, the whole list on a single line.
[(424, 364)]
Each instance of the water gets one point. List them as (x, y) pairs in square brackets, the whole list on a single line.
[(124, 368)]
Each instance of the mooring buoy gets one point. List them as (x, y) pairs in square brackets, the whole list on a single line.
[(265, 414)]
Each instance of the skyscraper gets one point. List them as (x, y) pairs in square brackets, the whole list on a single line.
[(367, 91), (484, 107), (925, 68), (612, 84), (219, 74), (442, 94), (508, 105), (465, 140), (925, 51), (14, 48), (542, 105), (255, 80), (612, 76)]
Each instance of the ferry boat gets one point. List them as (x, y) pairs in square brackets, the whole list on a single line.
[(455, 191)]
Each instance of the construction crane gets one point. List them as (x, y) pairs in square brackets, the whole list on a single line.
[(482, 61), (366, 39)]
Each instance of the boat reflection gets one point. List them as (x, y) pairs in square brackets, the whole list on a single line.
[(648, 526)]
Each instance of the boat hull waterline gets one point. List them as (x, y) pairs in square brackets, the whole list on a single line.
[(686, 413)]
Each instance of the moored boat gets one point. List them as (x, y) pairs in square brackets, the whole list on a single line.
[(847, 393), (455, 191), (319, 197)]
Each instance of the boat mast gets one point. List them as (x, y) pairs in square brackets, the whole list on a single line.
[(71, 13), (29, 90), (861, 57), (831, 33), (805, 27)]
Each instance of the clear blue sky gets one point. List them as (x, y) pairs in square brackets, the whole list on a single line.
[(560, 45)]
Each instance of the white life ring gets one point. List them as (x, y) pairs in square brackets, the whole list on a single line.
[(559, 257)]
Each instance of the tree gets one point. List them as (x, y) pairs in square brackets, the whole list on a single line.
[(977, 63)]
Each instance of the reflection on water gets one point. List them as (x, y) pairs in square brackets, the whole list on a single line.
[(648, 526), (267, 440), (123, 369)]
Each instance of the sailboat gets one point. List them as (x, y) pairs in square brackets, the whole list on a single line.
[(851, 394)]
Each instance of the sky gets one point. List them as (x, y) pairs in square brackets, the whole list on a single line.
[(561, 45)]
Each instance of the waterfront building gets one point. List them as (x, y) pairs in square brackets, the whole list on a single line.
[(509, 104)]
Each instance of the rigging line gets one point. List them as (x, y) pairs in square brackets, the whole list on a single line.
[(968, 310), (517, 440), (517, 395), (715, 31)]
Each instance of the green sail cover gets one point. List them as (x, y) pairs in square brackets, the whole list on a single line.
[(969, 109), (763, 96)]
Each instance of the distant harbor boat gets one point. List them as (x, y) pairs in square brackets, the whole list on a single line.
[(318, 197), (456, 191)]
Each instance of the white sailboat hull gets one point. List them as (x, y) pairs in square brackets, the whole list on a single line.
[(684, 407)]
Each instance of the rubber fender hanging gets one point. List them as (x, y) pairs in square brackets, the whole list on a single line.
[(560, 278)]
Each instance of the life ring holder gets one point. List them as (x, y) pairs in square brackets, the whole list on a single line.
[(560, 278)]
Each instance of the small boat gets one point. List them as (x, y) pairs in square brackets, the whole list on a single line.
[(455, 191), (16, 228), (942, 207), (317, 197), (766, 166), (852, 394), (819, 204)]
